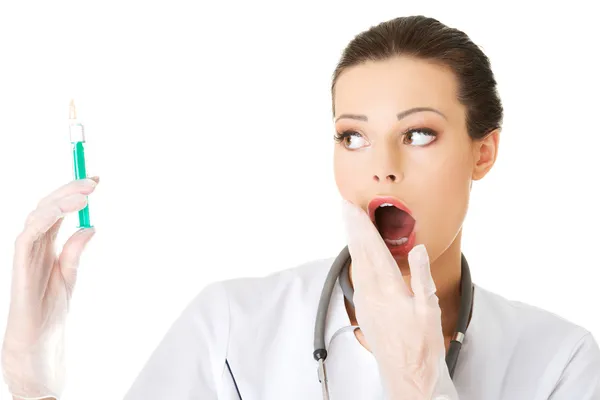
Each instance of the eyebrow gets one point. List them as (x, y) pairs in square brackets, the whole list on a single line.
[(399, 115)]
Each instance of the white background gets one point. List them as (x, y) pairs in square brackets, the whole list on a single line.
[(210, 128)]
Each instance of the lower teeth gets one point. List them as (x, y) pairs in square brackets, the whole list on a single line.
[(396, 242)]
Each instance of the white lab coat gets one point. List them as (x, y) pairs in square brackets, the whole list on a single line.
[(265, 326)]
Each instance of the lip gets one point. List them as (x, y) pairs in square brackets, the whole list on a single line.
[(402, 250), (377, 201)]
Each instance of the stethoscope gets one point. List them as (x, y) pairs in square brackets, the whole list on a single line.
[(340, 269)]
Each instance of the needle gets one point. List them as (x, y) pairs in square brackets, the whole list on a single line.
[(72, 110)]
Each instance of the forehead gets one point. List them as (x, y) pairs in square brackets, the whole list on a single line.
[(391, 86)]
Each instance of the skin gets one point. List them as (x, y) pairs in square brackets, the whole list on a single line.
[(431, 175)]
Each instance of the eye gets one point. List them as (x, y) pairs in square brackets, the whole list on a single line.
[(351, 139), (419, 136)]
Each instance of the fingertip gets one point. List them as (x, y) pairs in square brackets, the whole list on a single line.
[(347, 209), (91, 182), (346, 205), (352, 209), (420, 247), (418, 255), (86, 236), (422, 282), (87, 231)]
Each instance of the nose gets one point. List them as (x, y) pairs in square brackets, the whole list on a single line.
[(388, 168), (389, 178), (387, 162)]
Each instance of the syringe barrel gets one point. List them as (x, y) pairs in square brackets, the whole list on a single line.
[(79, 172)]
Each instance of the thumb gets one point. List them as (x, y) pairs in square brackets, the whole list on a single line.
[(71, 253)]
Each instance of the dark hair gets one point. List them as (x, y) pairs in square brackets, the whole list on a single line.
[(428, 39)]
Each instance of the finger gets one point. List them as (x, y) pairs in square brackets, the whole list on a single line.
[(358, 224), (45, 216), (421, 281), (54, 229), (83, 186), (372, 260), (71, 254), (85, 189)]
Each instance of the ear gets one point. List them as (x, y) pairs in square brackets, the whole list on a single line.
[(485, 152)]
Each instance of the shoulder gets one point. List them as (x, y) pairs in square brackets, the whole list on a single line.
[(540, 332), (302, 283), (525, 318), (249, 295)]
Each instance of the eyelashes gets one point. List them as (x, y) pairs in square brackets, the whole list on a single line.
[(429, 134), (340, 137)]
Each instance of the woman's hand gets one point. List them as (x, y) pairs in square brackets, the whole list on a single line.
[(42, 286), (403, 330)]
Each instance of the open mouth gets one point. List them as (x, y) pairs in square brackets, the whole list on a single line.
[(393, 221)]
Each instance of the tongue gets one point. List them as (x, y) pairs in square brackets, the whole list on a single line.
[(393, 223)]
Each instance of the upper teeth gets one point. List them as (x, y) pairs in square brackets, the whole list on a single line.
[(386, 205)]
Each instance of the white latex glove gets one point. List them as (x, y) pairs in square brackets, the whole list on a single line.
[(404, 331), (42, 285)]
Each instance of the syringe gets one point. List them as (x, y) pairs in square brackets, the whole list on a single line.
[(77, 140)]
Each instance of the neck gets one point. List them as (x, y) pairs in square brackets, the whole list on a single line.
[(446, 273)]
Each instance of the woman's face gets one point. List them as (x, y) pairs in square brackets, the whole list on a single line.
[(423, 158)]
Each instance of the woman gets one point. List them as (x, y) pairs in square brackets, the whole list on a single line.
[(417, 119)]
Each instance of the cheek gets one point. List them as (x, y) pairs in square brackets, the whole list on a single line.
[(347, 174), (447, 176), (445, 202), (451, 183)]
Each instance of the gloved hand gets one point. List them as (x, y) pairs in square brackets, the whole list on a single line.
[(404, 331), (42, 285)]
